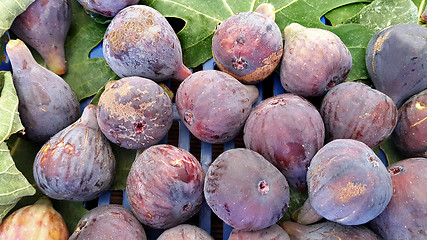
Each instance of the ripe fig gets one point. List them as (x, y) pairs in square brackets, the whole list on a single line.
[(245, 190), (314, 60), (214, 106), (165, 186), (287, 130), (348, 183), (236, 38), (274, 232), (111, 221), (396, 60), (107, 8), (34, 222), (140, 42), (77, 163), (134, 112), (185, 232), (410, 134), (405, 217), (356, 111), (44, 26), (47, 104)]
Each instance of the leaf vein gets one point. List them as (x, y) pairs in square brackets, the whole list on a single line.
[(194, 10)]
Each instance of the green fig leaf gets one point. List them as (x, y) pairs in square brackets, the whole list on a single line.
[(341, 14), (9, 10), (10, 122)]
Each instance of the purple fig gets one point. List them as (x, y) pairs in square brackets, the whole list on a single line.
[(274, 232), (185, 232), (107, 8)]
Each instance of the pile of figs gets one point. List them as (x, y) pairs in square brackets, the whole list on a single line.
[(318, 137)]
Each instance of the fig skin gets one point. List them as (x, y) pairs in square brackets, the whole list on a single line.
[(354, 110), (185, 232), (236, 38), (47, 104), (396, 61), (165, 186), (314, 60), (139, 41), (134, 112), (37, 221), (77, 163), (410, 134), (274, 232), (405, 217), (107, 8), (44, 26), (111, 221)]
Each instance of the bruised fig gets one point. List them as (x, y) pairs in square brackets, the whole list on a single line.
[(134, 112), (47, 104), (140, 42), (34, 222), (107, 8), (248, 46), (185, 232), (314, 60), (274, 232), (396, 60), (44, 26), (77, 163)]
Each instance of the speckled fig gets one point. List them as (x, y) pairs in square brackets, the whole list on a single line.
[(33, 222), (107, 8), (140, 42), (77, 163), (185, 232), (111, 221), (274, 232), (314, 60), (44, 26), (47, 104), (134, 112)]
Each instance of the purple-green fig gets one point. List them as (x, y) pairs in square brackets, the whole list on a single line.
[(107, 8)]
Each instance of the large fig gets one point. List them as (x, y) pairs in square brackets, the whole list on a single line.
[(314, 60), (47, 104), (185, 232), (396, 60), (34, 222), (77, 163), (140, 42), (134, 112), (44, 26), (107, 8)]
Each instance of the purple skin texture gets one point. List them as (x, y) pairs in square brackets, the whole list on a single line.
[(405, 217), (356, 111), (165, 186), (140, 42), (77, 163), (314, 60), (348, 183), (274, 232), (111, 221), (327, 231), (214, 106), (245, 190), (287, 130), (236, 38), (185, 232), (47, 104), (107, 8), (410, 134), (44, 26), (134, 112), (396, 61)]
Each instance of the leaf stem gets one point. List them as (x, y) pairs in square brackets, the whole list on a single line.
[(421, 9)]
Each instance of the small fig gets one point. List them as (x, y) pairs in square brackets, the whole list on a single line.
[(107, 8), (185, 232), (274, 232)]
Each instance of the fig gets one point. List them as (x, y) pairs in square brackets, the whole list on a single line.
[(139, 41), (185, 232), (44, 26), (111, 221), (47, 104), (235, 39), (405, 217), (214, 106), (165, 186), (348, 183), (134, 112), (410, 134), (32, 222), (245, 190), (356, 111), (77, 163), (274, 232), (396, 60), (107, 8), (287, 130), (314, 60)]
